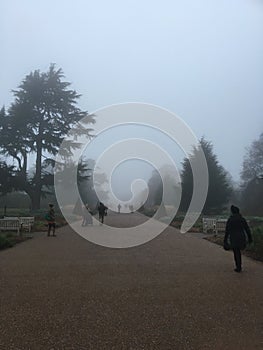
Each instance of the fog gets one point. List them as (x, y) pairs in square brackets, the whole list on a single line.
[(201, 60)]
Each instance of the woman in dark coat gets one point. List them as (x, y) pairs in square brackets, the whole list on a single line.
[(237, 229)]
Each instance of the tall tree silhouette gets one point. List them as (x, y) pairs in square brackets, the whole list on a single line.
[(44, 111), (219, 189)]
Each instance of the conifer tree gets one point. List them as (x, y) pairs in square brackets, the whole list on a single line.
[(43, 112), (219, 189)]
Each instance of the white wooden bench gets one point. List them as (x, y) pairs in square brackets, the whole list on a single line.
[(213, 224), (209, 224), (11, 218), (221, 225), (10, 225), (26, 222)]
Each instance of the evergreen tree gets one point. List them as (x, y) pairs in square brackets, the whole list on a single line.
[(42, 114), (155, 187), (219, 189), (166, 189), (90, 185), (6, 178)]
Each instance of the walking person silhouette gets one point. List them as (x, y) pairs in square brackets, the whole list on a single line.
[(237, 229), (50, 217), (102, 212)]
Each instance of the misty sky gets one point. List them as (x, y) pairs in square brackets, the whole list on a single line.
[(203, 60)]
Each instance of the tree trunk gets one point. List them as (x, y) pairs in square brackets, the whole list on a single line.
[(38, 183), (24, 167), (35, 201), (38, 186), (30, 191)]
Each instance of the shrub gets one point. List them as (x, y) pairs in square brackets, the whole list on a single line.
[(5, 242), (257, 245)]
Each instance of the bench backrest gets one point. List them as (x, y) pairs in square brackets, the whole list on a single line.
[(217, 225), (209, 224), (9, 223), (221, 225), (11, 218), (27, 220), (209, 221)]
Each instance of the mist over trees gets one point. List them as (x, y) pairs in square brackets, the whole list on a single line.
[(87, 187), (157, 190), (43, 111), (155, 187), (219, 188), (253, 161), (252, 179)]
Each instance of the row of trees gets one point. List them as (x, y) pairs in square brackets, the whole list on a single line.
[(221, 189), (43, 112)]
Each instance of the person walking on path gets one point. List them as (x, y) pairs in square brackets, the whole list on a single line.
[(237, 229), (102, 212), (119, 208), (50, 217)]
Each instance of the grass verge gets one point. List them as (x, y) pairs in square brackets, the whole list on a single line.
[(8, 240), (254, 250)]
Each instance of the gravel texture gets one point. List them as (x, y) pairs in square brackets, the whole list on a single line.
[(175, 292)]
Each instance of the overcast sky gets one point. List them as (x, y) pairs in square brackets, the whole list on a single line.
[(203, 60)]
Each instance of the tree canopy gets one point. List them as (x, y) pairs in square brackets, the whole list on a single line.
[(6, 178), (219, 189), (252, 179), (43, 112), (253, 161)]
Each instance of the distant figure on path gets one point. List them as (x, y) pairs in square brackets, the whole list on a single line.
[(237, 229), (86, 215), (50, 217), (102, 212), (119, 208)]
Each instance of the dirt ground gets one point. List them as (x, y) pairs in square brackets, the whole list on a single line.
[(174, 292)]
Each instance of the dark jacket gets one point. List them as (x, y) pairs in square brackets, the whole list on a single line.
[(102, 209), (50, 216), (237, 229)]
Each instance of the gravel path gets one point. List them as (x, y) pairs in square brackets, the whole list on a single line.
[(175, 292)]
